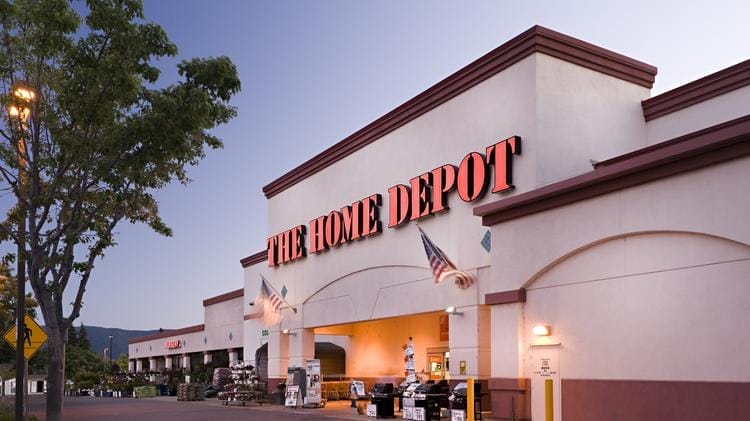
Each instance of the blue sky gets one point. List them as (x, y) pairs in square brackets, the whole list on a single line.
[(313, 72)]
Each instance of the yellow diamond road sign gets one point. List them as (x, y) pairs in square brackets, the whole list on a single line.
[(33, 336)]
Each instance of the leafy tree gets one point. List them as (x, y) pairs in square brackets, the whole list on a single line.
[(95, 142), (83, 338), (78, 360), (73, 337)]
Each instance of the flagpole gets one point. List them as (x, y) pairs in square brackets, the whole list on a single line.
[(277, 293)]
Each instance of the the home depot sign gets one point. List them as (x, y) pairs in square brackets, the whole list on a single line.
[(424, 195)]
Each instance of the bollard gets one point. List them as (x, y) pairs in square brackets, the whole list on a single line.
[(470, 399), (549, 408)]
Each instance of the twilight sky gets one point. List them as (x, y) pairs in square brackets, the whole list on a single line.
[(315, 71)]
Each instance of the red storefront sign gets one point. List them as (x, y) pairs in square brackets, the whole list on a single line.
[(172, 344), (425, 195)]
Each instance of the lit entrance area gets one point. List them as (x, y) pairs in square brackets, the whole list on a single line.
[(375, 349)]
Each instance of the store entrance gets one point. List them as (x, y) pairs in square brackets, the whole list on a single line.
[(437, 360), (374, 349)]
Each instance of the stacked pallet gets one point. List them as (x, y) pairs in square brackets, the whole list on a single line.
[(190, 392), (144, 392)]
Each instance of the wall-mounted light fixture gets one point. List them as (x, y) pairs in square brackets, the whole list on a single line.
[(542, 330), (453, 312), (288, 332)]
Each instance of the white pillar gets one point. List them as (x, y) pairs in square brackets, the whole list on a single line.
[(233, 356), (168, 362), (152, 364), (301, 347), (469, 341), (186, 362), (139, 365), (207, 357), (131, 366), (278, 355), (508, 354)]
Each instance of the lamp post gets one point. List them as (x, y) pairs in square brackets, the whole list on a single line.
[(110, 352), (21, 94)]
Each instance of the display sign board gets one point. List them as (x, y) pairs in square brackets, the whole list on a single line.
[(313, 382), (33, 336), (458, 415), (359, 386), (292, 396), (419, 414), (372, 410), (408, 413)]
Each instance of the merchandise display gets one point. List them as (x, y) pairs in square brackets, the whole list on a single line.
[(314, 396), (245, 385), (190, 392)]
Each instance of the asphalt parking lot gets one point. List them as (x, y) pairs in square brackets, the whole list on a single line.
[(168, 408)]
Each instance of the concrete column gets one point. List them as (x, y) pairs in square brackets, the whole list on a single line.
[(278, 355), (139, 365), (233, 356), (207, 357), (469, 341), (186, 362), (301, 347), (508, 386), (131, 366), (152, 364), (168, 362)]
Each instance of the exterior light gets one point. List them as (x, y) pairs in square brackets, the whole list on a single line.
[(453, 312), (541, 330), (288, 332)]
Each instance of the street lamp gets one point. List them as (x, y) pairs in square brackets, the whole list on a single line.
[(110, 352), (22, 95)]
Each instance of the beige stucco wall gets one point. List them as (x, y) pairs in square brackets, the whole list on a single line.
[(660, 305), (566, 115), (660, 267), (731, 105), (221, 320)]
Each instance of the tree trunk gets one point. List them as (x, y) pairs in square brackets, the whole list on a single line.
[(56, 373)]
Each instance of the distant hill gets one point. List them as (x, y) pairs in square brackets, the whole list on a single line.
[(99, 338)]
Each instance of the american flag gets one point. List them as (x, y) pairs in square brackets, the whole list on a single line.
[(268, 303), (441, 266)]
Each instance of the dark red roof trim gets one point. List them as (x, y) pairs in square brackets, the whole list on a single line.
[(168, 333), (706, 147), (536, 39), (254, 258), (700, 90), (224, 297), (506, 297)]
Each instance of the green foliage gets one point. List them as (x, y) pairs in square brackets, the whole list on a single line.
[(101, 137), (87, 379), (80, 359), (121, 363), (7, 411), (82, 338), (8, 291)]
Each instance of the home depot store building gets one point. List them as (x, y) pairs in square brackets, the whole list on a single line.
[(617, 220)]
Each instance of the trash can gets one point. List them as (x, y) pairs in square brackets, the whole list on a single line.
[(383, 398)]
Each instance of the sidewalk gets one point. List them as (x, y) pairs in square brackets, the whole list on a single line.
[(333, 409)]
